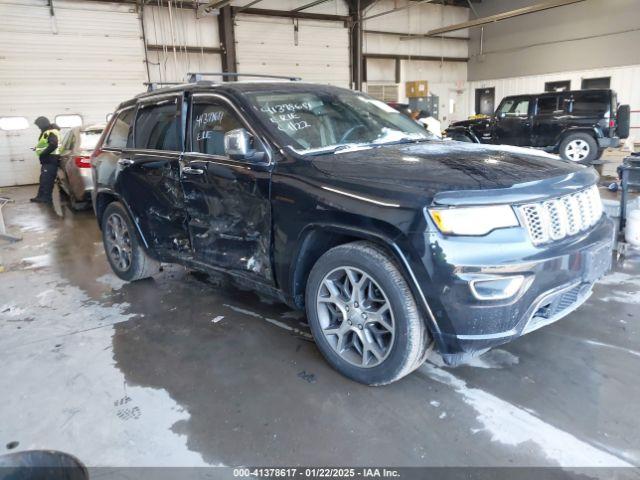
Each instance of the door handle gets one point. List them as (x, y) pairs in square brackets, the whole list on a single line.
[(125, 162), (193, 171)]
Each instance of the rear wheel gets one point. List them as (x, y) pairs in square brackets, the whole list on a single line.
[(125, 254), (363, 315), (579, 147)]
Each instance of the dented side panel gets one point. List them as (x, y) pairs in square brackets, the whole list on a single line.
[(229, 214), (151, 187)]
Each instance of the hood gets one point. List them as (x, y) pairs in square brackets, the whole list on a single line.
[(472, 122), (42, 123), (437, 166)]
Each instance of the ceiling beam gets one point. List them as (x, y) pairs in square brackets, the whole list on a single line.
[(398, 9), (309, 5), (502, 16), (423, 58), (291, 14), (412, 35), (248, 5)]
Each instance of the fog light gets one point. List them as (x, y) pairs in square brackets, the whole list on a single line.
[(496, 288)]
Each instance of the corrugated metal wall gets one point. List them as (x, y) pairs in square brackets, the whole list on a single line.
[(83, 60), (184, 30), (445, 78), (318, 52)]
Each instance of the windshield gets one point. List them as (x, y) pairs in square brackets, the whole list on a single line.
[(312, 122), (89, 139)]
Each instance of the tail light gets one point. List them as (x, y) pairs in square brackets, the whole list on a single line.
[(612, 124), (82, 161)]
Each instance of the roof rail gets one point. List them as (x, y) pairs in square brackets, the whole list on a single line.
[(151, 86), (197, 76)]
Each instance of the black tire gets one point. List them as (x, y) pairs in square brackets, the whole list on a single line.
[(583, 139), (140, 264), (623, 121), (411, 340)]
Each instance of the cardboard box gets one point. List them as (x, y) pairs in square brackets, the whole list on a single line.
[(417, 88)]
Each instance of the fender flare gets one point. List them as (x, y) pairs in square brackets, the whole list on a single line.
[(571, 130), (112, 193), (382, 240)]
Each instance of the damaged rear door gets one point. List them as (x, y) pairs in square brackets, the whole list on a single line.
[(150, 174), (227, 200)]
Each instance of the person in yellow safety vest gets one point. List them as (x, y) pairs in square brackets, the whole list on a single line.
[(48, 151)]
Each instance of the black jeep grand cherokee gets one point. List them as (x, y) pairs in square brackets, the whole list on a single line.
[(334, 202)]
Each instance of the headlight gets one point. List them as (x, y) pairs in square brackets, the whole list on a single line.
[(473, 220)]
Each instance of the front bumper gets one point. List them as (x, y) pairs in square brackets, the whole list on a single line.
[(609, 142), (557, 279)]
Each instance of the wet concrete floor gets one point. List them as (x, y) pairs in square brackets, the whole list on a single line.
[(186, 369)]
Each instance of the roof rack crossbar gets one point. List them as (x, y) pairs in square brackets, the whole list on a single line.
[(197, 76), (151, 86)]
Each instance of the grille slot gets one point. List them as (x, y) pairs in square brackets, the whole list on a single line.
[(562, 217)]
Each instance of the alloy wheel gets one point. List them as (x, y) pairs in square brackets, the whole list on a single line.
[(577, 150), (355, 317), (118, 242)]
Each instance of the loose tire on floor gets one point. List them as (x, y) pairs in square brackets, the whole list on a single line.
[(579, 147), (372, 333), (125, 253)]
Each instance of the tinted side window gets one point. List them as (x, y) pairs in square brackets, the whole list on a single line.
[(158, 127), (515, 107), (121, 134), (590, 103), (547, 105), (210, 121)]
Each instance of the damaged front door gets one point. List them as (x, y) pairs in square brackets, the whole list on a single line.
[(227, 199)]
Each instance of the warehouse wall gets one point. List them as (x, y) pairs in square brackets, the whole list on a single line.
[(83, 60), (446, 79), (587, 35), (183, 29)]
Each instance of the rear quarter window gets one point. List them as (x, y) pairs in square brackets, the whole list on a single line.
[(121, 134), (158, 127), (590, 104)]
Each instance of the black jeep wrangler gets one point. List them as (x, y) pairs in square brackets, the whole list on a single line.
[(335, 203), (579, 124)]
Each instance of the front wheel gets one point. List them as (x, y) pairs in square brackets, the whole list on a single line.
[(363, 315), (579, 147), (125, 254)]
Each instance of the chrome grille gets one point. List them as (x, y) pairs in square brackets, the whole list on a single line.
[(562, 217)]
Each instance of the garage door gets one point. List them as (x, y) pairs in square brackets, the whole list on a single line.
[(83, 60), (317, 51)]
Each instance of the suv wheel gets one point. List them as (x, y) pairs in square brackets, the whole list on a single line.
[(363, 315), (125, 254), (579, 147)]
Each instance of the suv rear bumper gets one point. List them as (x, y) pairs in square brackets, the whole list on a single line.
[(557, 279), (609, 142)]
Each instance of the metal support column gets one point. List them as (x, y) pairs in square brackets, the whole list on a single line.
[(228, 41)]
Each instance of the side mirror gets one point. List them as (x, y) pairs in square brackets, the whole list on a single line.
[(237, 146)]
